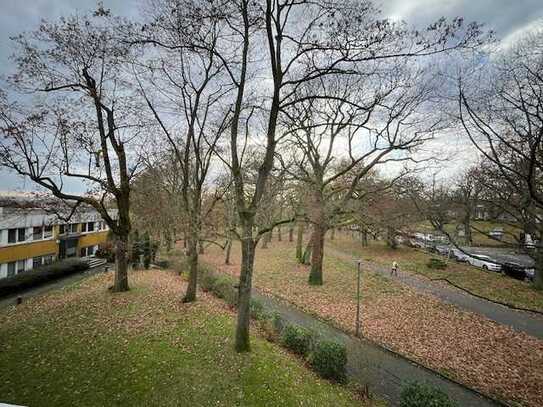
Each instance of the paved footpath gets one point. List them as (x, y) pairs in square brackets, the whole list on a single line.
[(383, 371), (524, 321), (52, 285)]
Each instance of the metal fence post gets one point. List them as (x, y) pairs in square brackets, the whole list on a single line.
[(358, 301)]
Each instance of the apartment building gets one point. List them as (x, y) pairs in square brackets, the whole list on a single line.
[(31, 236)]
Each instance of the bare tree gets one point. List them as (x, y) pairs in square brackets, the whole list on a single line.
[(501, 111), (77, 121), (184, 91)]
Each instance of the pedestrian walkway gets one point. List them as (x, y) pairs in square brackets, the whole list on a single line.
[(369, 364), (523, 321)]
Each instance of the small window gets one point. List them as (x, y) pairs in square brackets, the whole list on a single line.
[(21, 234), (83, 252), (37, 233), (12, 235), (83, 227), (90, 227), (90, 250), (21, 266), (61, 229), (11, 268), (48, 259), (37, 262), (73, 228), (47, 231)]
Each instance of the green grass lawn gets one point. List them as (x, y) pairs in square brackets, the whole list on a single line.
[(488, 284), (86, 347)]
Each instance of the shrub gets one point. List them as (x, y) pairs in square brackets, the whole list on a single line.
[(224, 288), (424, 395), (32, 278), (220, 285), (106, 251), (268, 327), (207, 281), (257, 310), (438, 264), (163, 264), (277, 322), (297, 339), (329, 359)]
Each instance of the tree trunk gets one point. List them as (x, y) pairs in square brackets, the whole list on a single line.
[(299, 243), (365, 239), (266, 239), (391, 238), (244, 290), (317, 254), (121, 259), (291, 233), (190, 294), (279, 236), (228, 250), (538, 278), (307, 253), (467, 230)]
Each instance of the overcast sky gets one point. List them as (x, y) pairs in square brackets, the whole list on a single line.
[(508, 18)]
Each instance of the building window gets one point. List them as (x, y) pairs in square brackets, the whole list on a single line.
[(12, 235), (37, 262), (90, 227), (21, 266), (48, 231), (61, 229), (11, 268), (83, 227), (72, 228), (37, 233), (21, 234)]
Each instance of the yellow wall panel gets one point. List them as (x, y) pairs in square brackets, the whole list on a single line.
[(92, 239), (28, 250)]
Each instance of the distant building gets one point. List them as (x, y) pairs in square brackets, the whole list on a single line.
[(31, 236)]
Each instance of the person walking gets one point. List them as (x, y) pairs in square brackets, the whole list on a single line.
[(394, 269)]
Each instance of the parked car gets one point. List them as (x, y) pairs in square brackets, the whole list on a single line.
[(442, 249), (496, 233), (458, 255), (484, 262), (518, 271)]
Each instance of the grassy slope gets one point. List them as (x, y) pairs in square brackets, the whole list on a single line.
[(86, 347), (488, 284)]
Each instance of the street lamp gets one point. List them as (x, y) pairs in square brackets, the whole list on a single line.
[(358, 262)]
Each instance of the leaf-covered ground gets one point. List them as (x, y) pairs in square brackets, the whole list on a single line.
[(488, 284), (470, 348), (84, 346)]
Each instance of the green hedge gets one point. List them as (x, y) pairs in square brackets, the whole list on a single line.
[(437, 264), (221, 285), (417, 394), (329, 359), (297, 339), (32, 278)]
